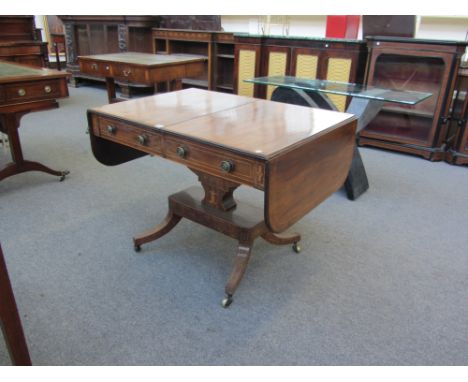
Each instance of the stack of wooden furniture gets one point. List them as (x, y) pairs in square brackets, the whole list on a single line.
[(19, 41)]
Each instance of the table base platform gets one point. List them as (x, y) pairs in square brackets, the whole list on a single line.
[(214, 207)]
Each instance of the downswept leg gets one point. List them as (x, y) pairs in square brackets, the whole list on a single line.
[(240, 265), (168, 223)]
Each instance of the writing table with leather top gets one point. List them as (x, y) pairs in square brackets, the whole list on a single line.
[(25, 89), (298, 156)]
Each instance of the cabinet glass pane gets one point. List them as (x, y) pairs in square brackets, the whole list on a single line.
[(408, 122)]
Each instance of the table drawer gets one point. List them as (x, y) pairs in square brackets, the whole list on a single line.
[(114, 130), (96, 68), (215, 161), (33, 91), (129, 73)]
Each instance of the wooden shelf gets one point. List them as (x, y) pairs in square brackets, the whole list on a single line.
[(409, 112), (217, 47), (195, 82), (230, 56), (225, 87)]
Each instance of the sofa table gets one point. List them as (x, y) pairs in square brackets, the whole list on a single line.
[(298, 156)]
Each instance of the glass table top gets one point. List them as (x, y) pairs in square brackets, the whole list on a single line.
[(344, 88)]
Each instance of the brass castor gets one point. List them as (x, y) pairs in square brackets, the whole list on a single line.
[(227, 301), (137, 248), (296, 247), (63, 176)]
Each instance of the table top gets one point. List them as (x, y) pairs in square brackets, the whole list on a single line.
[(145, 59), (13, 72), (343, 88), (258, 128)]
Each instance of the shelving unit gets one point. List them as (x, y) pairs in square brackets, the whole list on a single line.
[(217, 47)]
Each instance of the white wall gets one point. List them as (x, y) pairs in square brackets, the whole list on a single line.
[(429, 27)]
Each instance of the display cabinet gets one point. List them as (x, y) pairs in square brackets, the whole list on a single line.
[(217, 47), (419, 65), (87, 35), (340, 60), (458, 134)]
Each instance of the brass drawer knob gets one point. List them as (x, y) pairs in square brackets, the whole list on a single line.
[(142, 139), (47, 89), (227, 165), (21, 92), (94, 66), (127, 72), (181, 151), (107, 67), (111, 129)]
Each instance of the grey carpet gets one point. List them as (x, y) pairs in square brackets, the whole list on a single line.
[(380, 281)]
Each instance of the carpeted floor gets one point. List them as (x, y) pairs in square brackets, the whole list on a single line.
[(380, 281)]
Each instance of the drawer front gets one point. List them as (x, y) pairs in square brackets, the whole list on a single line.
[(96, 68), (149, 142), (129, 73), (36, 90), (215, 161)]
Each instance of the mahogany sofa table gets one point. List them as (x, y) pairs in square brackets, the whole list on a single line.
[(142, 68), (24, 89), (298, 156)]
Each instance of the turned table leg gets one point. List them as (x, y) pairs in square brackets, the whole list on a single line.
[(240, 265)]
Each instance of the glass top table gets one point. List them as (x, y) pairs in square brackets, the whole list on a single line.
[(366, 102), (344, 88)]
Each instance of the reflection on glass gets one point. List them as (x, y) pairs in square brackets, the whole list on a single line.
[(344, 88)]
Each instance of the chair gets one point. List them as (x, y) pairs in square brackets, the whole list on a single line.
[(58, 42)]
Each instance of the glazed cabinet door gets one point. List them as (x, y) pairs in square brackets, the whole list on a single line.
[(419, 124)]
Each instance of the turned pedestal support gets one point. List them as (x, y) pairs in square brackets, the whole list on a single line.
[(213, 206)]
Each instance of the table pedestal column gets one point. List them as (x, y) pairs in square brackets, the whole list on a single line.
[(9, 124)]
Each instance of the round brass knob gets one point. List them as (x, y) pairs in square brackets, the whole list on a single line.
[(47, 89), (142, 139), (227, 166), (21, 92), (111, 129), (181, 151)]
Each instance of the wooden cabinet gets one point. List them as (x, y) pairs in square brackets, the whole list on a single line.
[(86, 35), (457, 138), (419, 65), (217, 47), (19, 43), (330, 59)]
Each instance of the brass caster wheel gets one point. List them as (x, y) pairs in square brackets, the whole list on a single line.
[(63, 176), (227, 301), (296, 247), (137, 248)]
